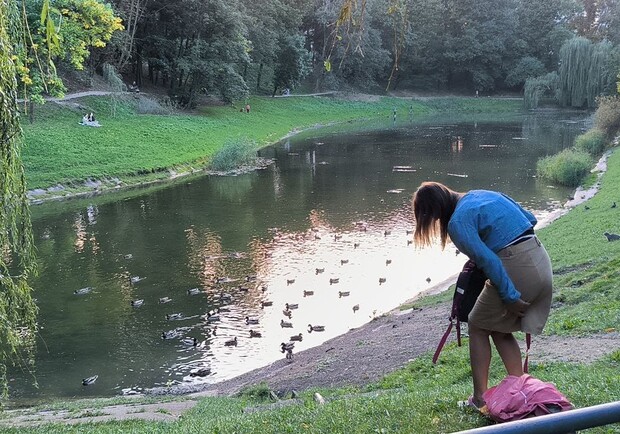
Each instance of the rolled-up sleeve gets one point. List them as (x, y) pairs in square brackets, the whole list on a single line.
[(465, 237)]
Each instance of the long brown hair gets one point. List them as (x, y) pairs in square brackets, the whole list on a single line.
[(433, 205)]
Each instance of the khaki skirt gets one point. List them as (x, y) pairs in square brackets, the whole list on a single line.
[(529, 267)]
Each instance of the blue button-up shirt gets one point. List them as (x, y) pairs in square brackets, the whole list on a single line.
[(483, 223)]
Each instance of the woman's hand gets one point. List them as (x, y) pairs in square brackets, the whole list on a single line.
[(518, 307)]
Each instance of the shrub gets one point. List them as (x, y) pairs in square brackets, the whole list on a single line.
[(148, 106), (568, 167), (592, 142), (234, 153), (539, 87), (257, 392), (607, 116)]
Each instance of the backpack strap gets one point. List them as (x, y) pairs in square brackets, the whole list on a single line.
[(528, 344), (443, 340)]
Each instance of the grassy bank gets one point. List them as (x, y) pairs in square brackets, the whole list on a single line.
[(135, 147)]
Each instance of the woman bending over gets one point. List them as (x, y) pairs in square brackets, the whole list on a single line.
[(498, 235)]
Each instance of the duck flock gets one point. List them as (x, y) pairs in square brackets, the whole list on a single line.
[(230, 287)]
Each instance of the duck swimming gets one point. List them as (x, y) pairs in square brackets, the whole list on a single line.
[(137, 303), (287, 313), (202, 372), (316, 328), (89, 380), (255, 334), (356, 308), (174, 316), (291, 306), (135, 279), (164, 300), (190, 342), (286, 324), (382, 280), (193, 291), (308, 293), (334, 280), (343, 294), (170, 334), (249, 320), (212, 317), (297, 338), (83, 291), (266, 303), (231, 342), (290, 281), (319, 270)]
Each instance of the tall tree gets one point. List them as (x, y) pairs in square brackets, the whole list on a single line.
[(267, 23), (583, 72), (60, 31), (598, 20), (17, 262), (292, 64), (543, 28), (195, 46)]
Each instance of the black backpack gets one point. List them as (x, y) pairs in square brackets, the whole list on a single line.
[(468, 287)]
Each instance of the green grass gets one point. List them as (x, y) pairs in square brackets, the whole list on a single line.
[(59, 150)]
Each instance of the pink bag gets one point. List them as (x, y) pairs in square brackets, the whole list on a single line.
[(517, 398)]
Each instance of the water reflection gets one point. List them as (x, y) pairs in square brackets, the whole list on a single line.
[(337, 203)]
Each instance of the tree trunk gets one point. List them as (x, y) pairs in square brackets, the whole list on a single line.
[(259, 76)]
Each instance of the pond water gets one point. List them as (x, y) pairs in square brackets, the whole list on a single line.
[(334, 200)]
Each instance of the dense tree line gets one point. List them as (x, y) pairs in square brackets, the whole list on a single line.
[(231, 48)]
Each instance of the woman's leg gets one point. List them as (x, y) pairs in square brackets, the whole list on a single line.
[(480, 359), (508, 349)]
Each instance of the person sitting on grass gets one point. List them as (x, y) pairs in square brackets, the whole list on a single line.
[(89, 120)]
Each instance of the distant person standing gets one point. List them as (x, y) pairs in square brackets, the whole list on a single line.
[(247, 108)]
